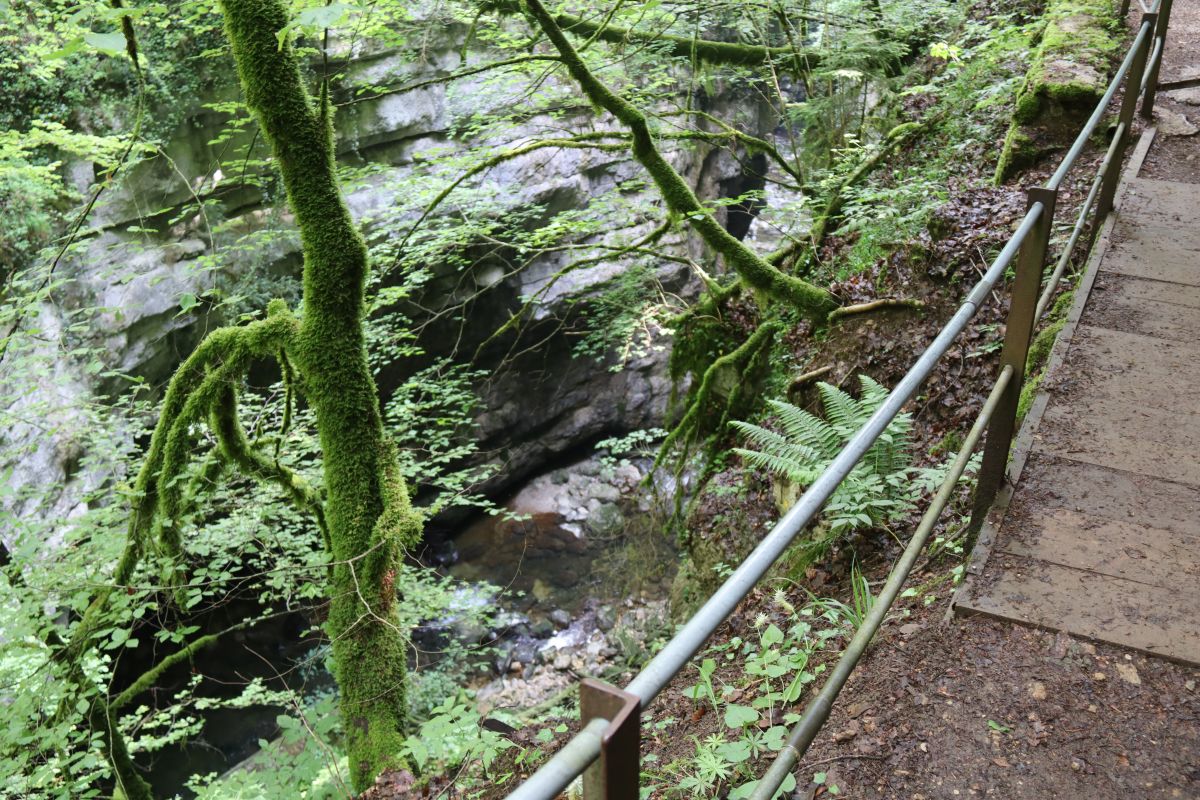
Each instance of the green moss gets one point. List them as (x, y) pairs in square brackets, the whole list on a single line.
[(1029, 392), (1039, 352), (1039, 349), (1028, 107), (367, 511), (1019, 151), (1068, 76)]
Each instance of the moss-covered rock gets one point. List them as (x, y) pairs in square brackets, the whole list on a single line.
[(1067, 78)]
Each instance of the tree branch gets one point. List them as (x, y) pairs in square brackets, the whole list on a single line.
[(810, 300)]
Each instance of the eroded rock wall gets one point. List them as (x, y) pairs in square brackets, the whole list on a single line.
[(142, 261)]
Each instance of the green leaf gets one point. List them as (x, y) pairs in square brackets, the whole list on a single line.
[(819, 778), (775, 736), (69, 49), (736, 752), (740, 716), (187, 301), (328, 16), (111, 44), (771, 636)]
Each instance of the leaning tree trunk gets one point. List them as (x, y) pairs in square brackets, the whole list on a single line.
[(367, 510)]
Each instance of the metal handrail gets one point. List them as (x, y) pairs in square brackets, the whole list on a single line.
[(997, 416), (820, 706)]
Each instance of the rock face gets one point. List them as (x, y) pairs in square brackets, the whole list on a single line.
[(157, 271)]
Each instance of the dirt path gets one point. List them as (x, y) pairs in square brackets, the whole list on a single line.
[(1101, 541)]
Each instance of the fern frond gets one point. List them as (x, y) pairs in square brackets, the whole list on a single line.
[(806, 428), (873, 392), (843, 411), (778, 446), (777, 465), (877, 491)]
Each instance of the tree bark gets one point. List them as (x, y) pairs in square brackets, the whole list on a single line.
[(367, 508)]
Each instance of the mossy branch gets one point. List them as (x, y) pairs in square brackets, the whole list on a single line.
[(185, 654), (705, 50), (234, 444), (799, 252), (145, 507), (159, 495), (699, 401), (810, 300)]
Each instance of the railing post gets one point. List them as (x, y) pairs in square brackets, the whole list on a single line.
[(1124, 9), (616, 774), (1133, 83), (1017, 334), (1160, 36)]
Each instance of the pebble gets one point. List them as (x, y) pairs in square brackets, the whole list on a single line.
[(1129, 674), (606, 618), (1099, 676), (1037, 690)]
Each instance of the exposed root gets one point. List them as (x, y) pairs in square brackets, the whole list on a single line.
[(874, 305)]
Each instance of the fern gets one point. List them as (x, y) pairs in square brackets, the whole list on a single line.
[(879, 490)]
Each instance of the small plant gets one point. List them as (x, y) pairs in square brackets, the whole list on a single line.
[(852, 614), (876, 492), (453, 735), (881, 489)]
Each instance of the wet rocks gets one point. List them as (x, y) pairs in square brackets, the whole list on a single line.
[(606, 521), (581, 650)]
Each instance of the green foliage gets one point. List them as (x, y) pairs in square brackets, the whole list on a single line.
[(626, 320), (877, 491), (748, 680), (452, 735)]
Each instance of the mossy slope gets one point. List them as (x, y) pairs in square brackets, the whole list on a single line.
[(1068, 77)]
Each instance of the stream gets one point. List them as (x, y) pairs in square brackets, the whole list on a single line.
[(578, 552)]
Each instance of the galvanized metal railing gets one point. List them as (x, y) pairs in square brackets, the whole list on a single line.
[(606, 749)]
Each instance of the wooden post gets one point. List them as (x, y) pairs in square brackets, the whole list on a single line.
[(1160, 36), (1017, 335), (615, 776), (1133, 83)]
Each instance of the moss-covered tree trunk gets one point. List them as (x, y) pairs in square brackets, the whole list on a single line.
[(367, 511)]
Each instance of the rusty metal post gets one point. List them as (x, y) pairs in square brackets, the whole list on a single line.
[(1017, 335), (616, 774), (1160, 44), (1133, 83)]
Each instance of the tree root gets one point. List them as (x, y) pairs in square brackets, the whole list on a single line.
[(874, 305)]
